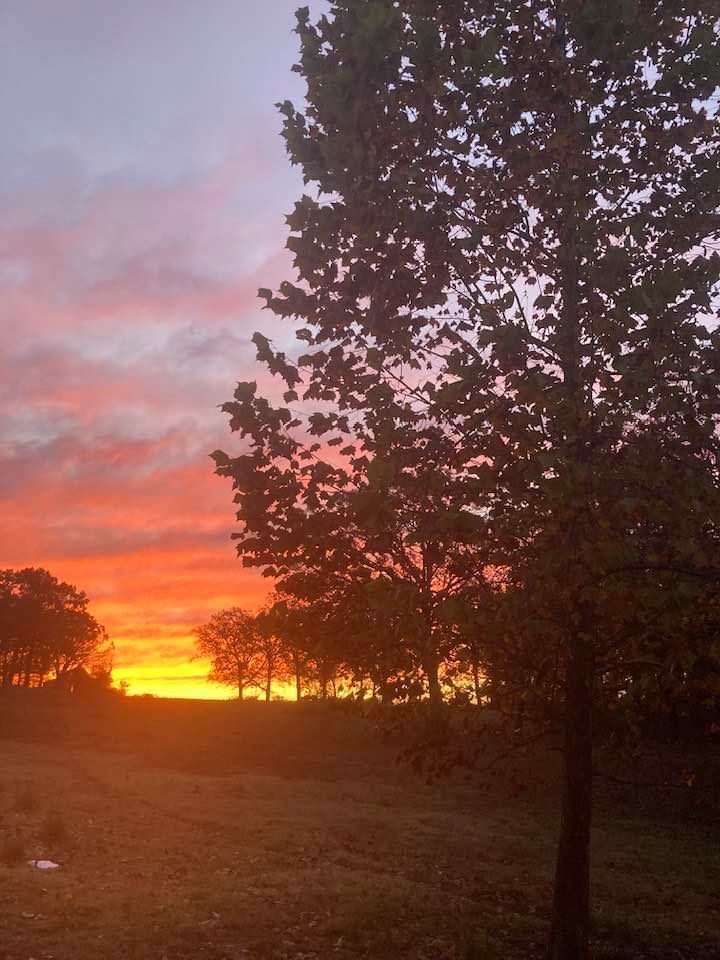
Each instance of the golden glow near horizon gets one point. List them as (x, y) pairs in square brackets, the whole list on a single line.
[(150, 611), (186, 681)]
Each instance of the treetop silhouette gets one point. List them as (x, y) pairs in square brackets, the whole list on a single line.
[(504, 279)]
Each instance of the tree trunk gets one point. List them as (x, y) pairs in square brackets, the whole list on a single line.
[(476, 681), (268, 682), (571, 901), (9, 671), (298, 681), (241, 687), (431, 667), (386, 691)]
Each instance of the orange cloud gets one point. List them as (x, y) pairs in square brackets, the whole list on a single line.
[(126, 328)]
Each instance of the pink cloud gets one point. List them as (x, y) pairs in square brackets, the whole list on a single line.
[(129, 327), (142, 252)]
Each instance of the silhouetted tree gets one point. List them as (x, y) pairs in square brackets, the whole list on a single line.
[(46, 629), (232, 641), (272, 648), (502, 281), (288, 621), (386, 512), (376, 645)]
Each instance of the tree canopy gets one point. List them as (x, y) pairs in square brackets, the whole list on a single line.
[(46, 630), (506, 272), (231, 641)]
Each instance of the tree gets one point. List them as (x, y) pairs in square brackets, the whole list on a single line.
[(473, 619), (386, 515), (81, 641), (309, 635), (287, 621), (232, 641), (46, 629), (515, 226), (272, 649), (377, 646)]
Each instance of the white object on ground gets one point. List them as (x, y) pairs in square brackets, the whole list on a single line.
[(44, 864)]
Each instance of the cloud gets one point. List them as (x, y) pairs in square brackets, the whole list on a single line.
[(142, 84), (119, 252), (109, 394), (144, 188)]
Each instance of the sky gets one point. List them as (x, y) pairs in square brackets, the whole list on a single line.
[(143, 185)]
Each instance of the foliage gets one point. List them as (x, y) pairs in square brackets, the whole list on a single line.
[(231, 641), (504, 281), (46, 630), (287, 622)]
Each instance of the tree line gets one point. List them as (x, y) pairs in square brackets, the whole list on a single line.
[(482, 651), (47, 631), (497, 445), (275, 649), (242, 653)]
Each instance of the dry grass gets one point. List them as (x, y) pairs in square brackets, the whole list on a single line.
[(54, 833), (12, 850), (25, 798), (222, 833)]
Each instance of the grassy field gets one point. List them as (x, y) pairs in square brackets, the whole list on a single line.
[(209, 830)]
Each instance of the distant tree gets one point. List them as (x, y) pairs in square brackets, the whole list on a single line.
[(287, 620), (377, 645), (309, 635), (272, 648), (232, 641), (274, 661), (472, 619), (46, 629), (515, 216), (312, 639), (363, 628), (81, 641)]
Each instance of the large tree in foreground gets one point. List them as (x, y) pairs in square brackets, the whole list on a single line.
[(515, 212)]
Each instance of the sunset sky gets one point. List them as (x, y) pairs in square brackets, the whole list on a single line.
[(144, 187)]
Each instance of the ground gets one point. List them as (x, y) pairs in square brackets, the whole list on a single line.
[(193, 830)]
